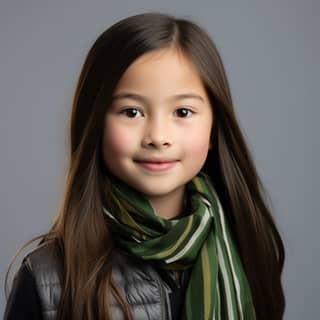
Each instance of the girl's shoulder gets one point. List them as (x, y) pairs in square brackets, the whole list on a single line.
[(44, 258), (36, 286)]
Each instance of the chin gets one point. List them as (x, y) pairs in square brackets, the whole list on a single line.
[(157, 190)]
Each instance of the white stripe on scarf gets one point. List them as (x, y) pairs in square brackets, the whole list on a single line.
[(195, 235)]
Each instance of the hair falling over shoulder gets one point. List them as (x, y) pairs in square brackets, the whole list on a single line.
[(80, 228)]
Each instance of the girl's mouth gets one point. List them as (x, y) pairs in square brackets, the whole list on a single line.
[(157, 166)]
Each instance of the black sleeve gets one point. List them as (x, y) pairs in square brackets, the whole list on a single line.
[(23, 301)]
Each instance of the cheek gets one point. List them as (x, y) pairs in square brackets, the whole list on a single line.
[(196, 144), (117, 142)]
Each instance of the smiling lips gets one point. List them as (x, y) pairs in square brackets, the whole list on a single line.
[(157, 164)]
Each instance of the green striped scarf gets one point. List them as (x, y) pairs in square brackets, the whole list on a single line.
[(218, 287)]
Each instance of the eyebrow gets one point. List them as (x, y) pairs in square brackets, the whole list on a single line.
[(144, 99)]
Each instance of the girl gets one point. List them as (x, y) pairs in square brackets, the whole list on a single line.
[(163, 214)]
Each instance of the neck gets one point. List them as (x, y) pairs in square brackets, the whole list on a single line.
[(168, 206)]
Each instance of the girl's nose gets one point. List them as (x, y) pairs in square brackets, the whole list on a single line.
[(156, 135)]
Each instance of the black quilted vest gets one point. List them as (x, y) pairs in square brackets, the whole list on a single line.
[(146, 291)]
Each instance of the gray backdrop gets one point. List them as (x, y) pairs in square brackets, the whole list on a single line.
[(271, 53)]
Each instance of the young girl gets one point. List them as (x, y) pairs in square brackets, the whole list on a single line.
[(164, 214)]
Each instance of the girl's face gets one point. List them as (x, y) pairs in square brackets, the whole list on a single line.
[(157, 128)]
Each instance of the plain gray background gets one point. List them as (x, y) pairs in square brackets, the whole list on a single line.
[(271, 53)]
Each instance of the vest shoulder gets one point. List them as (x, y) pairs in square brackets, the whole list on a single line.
[(45, 265), (43, 259)]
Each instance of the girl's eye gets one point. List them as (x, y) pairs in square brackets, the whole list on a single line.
[(184, 112), (131, 112)]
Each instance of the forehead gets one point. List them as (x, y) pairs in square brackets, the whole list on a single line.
[(166, 71)]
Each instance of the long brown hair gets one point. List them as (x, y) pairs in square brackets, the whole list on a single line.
[(80, 228)]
